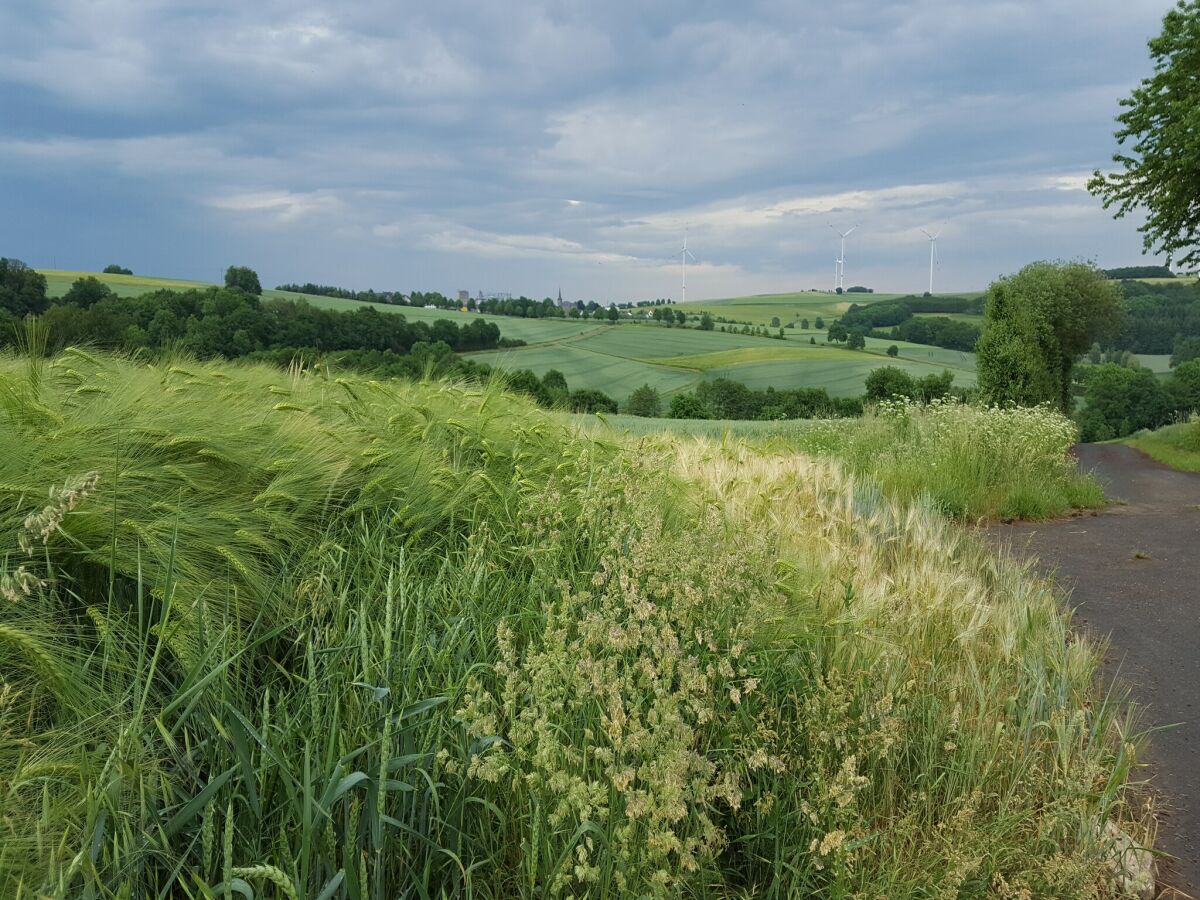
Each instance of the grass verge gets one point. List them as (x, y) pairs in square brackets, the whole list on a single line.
[(1177, 446)]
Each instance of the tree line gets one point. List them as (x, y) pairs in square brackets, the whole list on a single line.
[(897, 320), (228, 322), (233, 323)]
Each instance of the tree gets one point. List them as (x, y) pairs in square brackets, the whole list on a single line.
[(1161, 172), (1186, 349), (1037, 323), (1184, 387), (804, 324), (114, 269), (86, 292), (644, 401), (680, 317), (838, 332), (774, 321), (819, 324), (587, 400), (244, 278), (554, 384), (887, 382), (856, 340), (1120, 401), (613, 315), (706, 322), (22, 290), (689, 406), (893, 351)]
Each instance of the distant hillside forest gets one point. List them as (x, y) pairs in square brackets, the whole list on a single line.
[(897, 320), (1139, 272), (1159, 319)]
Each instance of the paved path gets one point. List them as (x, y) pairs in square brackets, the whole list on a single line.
[(1135, 574)]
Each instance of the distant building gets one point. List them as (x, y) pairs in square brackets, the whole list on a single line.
[(463, 297)]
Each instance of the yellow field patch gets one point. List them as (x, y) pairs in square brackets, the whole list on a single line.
[(721, 358)]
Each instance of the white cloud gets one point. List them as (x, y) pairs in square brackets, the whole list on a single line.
[(279, 207)]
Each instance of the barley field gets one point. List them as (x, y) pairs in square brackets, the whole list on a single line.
[(289, 634)]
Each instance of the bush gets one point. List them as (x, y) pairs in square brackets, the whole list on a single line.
[(114, 269), (644, 401), (888, 382), (1119, 401), (586, 400), (689, 406), (893, 351)]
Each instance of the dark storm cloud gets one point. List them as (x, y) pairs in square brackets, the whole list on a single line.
[(519, 146)]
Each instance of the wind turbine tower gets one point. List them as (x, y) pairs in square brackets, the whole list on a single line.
[(839, 264), (933, 254), (684, 253)]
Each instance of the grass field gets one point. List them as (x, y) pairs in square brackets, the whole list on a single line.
[(277, 634), (760, 309), (617, 359), (620, 359), (59, 281)]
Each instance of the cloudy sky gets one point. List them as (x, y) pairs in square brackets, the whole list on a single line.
[(524, 146)]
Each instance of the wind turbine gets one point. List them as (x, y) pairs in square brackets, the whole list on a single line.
[(933, 254), (839, 264), (684, 253)]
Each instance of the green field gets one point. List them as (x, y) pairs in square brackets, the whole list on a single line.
[(760, 309), (59, 281), (617, 359)]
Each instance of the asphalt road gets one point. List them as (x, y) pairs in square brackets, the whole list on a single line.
[(1134, 576)]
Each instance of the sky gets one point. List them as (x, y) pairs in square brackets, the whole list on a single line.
[(530, 147)]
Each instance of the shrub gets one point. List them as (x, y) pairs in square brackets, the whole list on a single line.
[(644, 401), (688, 406), (587, 400)]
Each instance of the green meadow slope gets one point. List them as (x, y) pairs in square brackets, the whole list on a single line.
[(617, 359)]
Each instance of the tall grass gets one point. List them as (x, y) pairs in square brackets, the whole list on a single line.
[(971, 462), (301, 636), (1177, 446)]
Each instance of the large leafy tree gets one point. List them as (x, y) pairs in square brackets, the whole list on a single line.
[(1037, 323), (1161, 123), (244, 278), (22, 290)]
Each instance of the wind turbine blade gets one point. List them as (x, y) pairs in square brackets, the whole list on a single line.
[(691, 254), (927, 234), (847, 234)]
